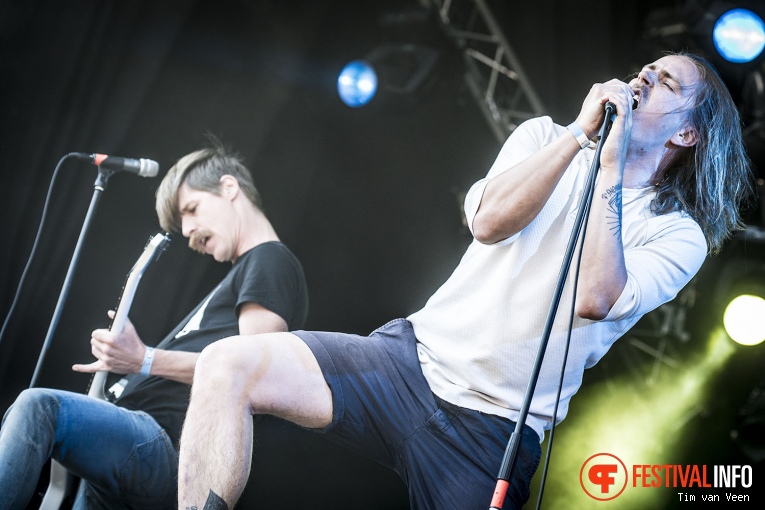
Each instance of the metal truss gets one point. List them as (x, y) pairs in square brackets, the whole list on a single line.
[(494, 74)]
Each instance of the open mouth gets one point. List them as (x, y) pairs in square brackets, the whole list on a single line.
[(637, 98), (199, 241)]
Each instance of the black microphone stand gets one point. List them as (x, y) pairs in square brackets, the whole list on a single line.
[(511, 452), (99, 186)]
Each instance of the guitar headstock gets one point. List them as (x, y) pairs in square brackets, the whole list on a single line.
[(158, 243)]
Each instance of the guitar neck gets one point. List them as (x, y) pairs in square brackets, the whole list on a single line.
[(153, 248)]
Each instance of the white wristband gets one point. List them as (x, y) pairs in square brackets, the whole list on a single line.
[(578, 134), (148, 359)]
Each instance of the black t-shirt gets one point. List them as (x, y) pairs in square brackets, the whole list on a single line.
[(269, 275)]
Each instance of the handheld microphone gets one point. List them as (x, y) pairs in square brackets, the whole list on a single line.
[(610, 114), (611, 107), (141, 167)]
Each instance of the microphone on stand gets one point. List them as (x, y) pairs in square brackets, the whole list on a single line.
[(141, 167)]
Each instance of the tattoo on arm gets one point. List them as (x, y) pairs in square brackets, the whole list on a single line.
[(614, 209)]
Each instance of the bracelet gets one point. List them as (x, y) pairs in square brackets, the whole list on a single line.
[(148, 358), (578, 133)]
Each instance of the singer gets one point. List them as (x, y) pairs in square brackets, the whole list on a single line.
[(126, 452), (435, 396)]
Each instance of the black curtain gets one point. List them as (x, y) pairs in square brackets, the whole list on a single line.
[(75, 76)]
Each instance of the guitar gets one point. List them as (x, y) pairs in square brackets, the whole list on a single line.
[(61, 481)]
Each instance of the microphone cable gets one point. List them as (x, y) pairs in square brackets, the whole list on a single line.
[(24, 273), (610, 109), (548, 451)]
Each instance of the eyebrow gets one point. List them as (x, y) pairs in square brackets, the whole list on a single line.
[(663, 73), (187, 206)]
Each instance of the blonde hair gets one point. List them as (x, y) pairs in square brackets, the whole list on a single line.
[(201, 170)]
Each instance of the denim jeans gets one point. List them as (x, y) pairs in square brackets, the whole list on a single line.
[(124, 458)]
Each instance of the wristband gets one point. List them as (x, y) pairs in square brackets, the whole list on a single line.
[(578, 133), (148, 358)]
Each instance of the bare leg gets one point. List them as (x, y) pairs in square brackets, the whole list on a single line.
[(235, 378)]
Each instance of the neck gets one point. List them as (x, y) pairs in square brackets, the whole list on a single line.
[(642, 164), (254, 229)]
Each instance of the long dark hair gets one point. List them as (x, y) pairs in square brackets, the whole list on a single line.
[(711, 181)]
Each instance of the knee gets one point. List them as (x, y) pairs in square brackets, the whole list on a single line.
[(222, 368), (33, 405), (35, 399)]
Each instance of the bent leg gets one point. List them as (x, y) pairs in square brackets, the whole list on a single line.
[(235, 378), (132, 463), (26, 442), (95, 440)]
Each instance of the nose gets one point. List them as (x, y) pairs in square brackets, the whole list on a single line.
[(647, 76), (188, 226)]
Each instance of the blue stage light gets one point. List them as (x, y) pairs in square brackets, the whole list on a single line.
[(739, 36), (357, 83)]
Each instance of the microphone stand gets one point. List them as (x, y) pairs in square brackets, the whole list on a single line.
[(99, 186), (511, 452)]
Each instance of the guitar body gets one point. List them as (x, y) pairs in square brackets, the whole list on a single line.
[(62, 481)]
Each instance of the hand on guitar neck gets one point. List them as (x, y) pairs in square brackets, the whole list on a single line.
[(117, 348), (117, 352)]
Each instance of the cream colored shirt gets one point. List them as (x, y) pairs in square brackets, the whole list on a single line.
[(479, 333)]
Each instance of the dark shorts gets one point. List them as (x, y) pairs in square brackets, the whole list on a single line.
[(448, 456)]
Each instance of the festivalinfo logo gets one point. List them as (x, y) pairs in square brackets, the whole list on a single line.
[(604, 477)]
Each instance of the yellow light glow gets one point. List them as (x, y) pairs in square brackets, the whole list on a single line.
[(743, 319), (639, 427)]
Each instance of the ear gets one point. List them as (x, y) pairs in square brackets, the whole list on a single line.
[(687, 136), (229, 186)]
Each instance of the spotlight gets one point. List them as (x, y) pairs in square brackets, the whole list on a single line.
[(739, 36), (398, 73), (743, 319), (357, 83)]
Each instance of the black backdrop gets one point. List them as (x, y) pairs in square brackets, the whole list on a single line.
[(367, 198)]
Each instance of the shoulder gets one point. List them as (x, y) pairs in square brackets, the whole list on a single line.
[(271, 251), (678, 230), (542, 129), (525, 140)]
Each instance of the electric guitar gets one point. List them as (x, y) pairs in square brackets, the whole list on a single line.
[(61, 481)]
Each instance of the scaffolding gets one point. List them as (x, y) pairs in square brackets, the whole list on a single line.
[(493, 72)]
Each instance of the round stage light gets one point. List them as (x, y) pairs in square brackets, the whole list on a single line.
[(739, 36), (743, 319), (357, 83)]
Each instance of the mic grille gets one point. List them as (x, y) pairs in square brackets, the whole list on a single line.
[(149, 168)]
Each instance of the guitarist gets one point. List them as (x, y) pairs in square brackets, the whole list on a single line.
[(126, 452)]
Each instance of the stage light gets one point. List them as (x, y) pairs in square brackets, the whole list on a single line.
[(739, 36), (357, 83), (395, 75), (743, 319)]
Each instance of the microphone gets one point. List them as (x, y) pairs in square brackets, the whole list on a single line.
[(611, 107), (610, 114), (141, 167)]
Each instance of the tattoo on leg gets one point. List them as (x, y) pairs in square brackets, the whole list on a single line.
[(215, 502)]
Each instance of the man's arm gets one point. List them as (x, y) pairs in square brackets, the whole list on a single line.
[(122, 353), (179, 366), (512, 199), (603, 271)]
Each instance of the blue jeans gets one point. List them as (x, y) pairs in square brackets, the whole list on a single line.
[(124, 458)]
